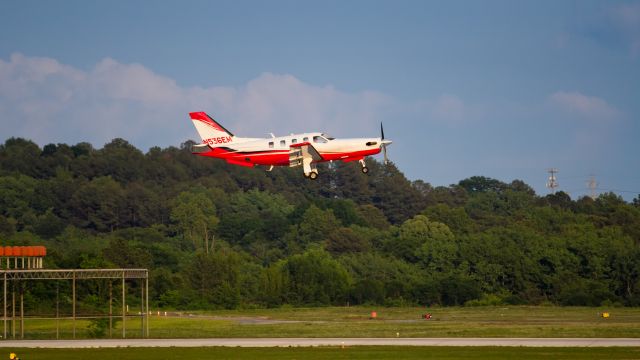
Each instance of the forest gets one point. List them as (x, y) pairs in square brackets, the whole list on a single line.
[(215, 235)]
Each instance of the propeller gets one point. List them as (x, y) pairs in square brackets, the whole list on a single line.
[(383, 144)]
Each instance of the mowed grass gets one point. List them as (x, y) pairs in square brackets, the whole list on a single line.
[(356, 352), (499, 321)]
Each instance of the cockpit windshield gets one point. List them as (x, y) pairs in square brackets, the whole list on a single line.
[(320, 139)]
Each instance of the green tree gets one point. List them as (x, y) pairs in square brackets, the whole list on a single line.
[(316, 225), (351, 183), (497, 259), (398, 279), (439, 251), (453, 196), (623, 257), (345, 240), (7, 226), (98, 204), (20, 156), (420, 237), (17, 197), (458, 288), (195, 215), (344, 210), (315, 278), (559, 199), (216, 279), (394, 194), (255, 215), (477, 184), (456, 218), (49, 225), (123, 254), (373, 217), (274, 284), (120, 160)]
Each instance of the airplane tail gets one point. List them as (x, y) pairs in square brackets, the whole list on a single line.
[(212, 133)]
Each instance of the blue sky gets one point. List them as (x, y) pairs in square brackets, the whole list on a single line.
[(503, 89)]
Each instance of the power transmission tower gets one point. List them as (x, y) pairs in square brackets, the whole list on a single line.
[(593, 185), (552, 183)]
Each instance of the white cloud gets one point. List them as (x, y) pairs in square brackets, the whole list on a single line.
[(47, 101), (133, 82), (284, 103), (589, 107)]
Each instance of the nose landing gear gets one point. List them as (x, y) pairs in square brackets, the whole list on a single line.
[(365, 169)]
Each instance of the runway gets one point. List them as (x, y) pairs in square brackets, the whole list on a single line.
[(287, 342)]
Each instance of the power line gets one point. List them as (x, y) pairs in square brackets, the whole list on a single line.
[(552, 183), (592, 185), (617, 190)]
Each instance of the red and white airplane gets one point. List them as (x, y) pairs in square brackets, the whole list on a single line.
[(294, 150)]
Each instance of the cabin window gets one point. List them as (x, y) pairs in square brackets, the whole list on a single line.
[(319, 139), (305, 139), (294, 141), (283, 143), (270, 144)]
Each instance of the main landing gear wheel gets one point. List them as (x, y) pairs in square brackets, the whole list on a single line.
[(365, 170), (313, 175)]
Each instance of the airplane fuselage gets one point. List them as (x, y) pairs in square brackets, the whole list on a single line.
[(275, 151)]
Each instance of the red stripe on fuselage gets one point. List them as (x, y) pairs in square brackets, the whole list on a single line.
[(281, 157), (273, 157), (346, 155)]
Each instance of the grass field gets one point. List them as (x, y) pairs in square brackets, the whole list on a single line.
[(359, 352), (503, 321)]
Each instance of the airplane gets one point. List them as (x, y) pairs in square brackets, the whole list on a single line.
[(304, 150)]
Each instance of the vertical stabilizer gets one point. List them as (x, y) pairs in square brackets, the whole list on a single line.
[(211, 132)]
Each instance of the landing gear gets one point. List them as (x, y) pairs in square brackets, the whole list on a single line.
[(310, 170), (311, 175), (365, 169)]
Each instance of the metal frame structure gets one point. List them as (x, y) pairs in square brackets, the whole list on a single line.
[(74, 275)]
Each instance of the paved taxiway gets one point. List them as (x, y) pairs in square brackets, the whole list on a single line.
[(285, 342)]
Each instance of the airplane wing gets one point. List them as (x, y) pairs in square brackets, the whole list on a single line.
[(303, 153)]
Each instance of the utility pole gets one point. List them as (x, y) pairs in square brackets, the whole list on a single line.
[(592, 185), (552, 183)]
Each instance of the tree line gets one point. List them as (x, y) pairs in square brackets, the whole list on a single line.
[(215, 235)]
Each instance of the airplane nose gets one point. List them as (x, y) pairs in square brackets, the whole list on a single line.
[(386, 142)]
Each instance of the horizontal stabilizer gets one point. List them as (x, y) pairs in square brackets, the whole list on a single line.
[(200, 148)]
